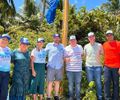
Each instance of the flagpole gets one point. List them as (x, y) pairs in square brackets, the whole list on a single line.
[(65, 22)]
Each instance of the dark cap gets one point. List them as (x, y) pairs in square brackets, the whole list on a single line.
[(56, 35)]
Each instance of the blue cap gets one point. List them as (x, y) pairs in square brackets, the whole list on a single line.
[(5, 36), (24, 41), (56, 35), (40, 40)]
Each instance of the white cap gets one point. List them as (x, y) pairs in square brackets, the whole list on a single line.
[(72, 37), (109, 32), (40, 40), (90, 34)]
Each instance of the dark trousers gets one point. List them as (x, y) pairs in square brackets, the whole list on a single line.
[(111, 75), (4, 79)]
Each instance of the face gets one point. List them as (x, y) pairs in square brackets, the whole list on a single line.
[(73, 42), (91, 38), (40, 44), (109, 37), (56, 39), (4, 42), (23, 47)]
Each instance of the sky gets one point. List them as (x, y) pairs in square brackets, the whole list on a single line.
[(90, 4)]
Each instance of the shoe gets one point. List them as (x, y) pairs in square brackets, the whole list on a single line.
[(48, 99), (56, 98)]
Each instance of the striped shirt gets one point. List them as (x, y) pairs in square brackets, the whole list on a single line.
[(75, 56)]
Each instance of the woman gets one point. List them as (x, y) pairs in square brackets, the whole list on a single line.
[(21, 60), (5, 57), (38, 59)]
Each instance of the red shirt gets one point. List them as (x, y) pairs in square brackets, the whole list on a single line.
[(112, 54)]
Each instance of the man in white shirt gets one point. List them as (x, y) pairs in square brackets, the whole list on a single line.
[(93, 52), (73, 59)]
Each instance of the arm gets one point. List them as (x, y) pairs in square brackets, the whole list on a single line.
[(32, 66)]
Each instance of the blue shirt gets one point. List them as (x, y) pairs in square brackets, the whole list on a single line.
[(5, 58), (55, 55)]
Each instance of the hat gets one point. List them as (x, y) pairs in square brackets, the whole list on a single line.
[(24, 41), (40, 40), (90, 34), (109, 32), (72, 37), (5, 36), (56, 35)]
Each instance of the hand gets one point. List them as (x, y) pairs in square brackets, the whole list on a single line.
[(119, 71), (67, 60), (34, 73)]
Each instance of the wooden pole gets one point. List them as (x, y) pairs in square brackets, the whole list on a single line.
[(65, 22)]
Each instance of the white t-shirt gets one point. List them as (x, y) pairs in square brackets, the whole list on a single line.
[(75, 56), (40, 56)]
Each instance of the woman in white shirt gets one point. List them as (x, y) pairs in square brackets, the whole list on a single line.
[(38, 60)]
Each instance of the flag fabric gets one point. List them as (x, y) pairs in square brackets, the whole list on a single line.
[(50, 16)]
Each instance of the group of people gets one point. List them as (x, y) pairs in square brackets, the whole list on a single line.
[(29, 68)]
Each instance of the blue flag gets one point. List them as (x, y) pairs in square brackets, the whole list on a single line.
[(50, 16)]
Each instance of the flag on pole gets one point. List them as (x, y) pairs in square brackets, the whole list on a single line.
[(50, 16)]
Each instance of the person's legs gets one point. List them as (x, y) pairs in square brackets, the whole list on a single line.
[(50, 80), (107, 83), (49, 89), (41, 80), (77, 76), (58, 79), (90, 73), (4, 85), (70, 77), (56, 89), (41, 97), (34, 97), (97, 75), (115, 79)]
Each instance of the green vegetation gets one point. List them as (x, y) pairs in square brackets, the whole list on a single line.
[(30, 22)]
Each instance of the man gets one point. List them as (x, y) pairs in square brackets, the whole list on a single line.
[(93, 52), (5, 57), (111, 66), (73, 59), (55, 52)]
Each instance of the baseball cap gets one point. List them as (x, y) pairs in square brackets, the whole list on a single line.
[(90, 34), (56, 35), (24, 41), (40, 40), (109, 32), (6, 36), (72, 37)]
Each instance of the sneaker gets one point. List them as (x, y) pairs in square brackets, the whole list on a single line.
[(56, 98), (48, 99)]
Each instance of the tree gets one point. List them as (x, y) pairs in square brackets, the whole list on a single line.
[(7, 8), (112, 6)]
